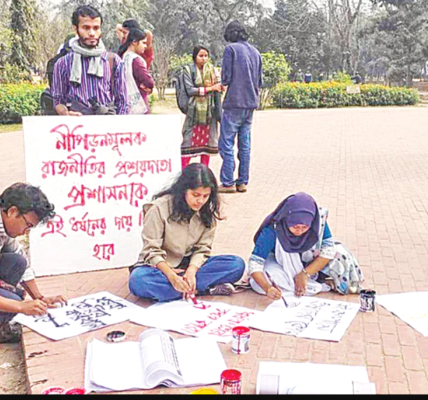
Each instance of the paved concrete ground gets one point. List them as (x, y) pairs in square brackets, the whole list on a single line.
[(369, 167)]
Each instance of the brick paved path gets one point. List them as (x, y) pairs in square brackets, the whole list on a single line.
[(369, 167)]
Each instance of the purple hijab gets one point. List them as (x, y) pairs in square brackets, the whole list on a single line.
[(299, 208)]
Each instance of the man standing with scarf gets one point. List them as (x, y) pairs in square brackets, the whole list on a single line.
[(89, 74)]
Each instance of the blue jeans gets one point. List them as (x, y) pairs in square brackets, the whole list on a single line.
[(235, 122), (148, 282), (12, 267)]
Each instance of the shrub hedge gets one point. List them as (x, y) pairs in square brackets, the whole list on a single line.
[(334, 94), (19, 100), (23, 99)]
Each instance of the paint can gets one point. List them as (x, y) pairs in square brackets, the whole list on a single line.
[(230, 381), (367, 300), (240, 340), (54, 390), (116, 336), (76, 391)]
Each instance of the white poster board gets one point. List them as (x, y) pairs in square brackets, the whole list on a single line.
[(98, 171), (82, 314), (307, 317), (205, 319), (411, 307), (308, 378)]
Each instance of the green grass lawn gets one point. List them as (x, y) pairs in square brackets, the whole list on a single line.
[(10, 128)]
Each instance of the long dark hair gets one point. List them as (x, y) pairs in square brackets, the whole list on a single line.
[(194, 176), (134, 35)]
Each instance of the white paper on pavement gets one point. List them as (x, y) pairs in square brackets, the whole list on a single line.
[(307, 317), (82, 314), (205, 319), (410, 307), (308, 378)]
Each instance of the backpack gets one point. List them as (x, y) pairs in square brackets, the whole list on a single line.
[(51, 63), (46, 100), (180, 88)]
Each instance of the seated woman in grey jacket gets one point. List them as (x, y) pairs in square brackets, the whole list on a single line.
[(178, 232)]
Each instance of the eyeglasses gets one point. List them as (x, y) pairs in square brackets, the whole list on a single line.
[(29, 224)]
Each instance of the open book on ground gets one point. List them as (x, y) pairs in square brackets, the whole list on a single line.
[(308, 378), (156, 359)]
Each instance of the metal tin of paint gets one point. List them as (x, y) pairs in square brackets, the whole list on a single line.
[(54, 390), (240, 340), (230, 382), (367, 300), (76, 391)]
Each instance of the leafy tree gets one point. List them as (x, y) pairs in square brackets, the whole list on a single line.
[(5, 33), (161, 65), (297, 29), (401, 38), (23, 14)]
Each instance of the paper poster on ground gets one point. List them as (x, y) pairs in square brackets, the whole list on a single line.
[(308, 378), (205, 319), (307, 317), (98, 171), (82, 314), (411, 307)]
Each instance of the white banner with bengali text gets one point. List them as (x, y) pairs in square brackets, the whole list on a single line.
[(98, 171)]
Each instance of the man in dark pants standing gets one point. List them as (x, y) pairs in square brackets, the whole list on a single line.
[(242, 75)]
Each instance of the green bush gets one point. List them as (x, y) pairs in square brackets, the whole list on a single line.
[(334, 94), (275, 71), (176, 63), (19, 100), (342, 77)]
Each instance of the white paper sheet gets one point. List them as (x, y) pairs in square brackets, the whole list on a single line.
[(307, 317), (82, 314), (98, 170), (207, 319), (411, 307), (308, 378)]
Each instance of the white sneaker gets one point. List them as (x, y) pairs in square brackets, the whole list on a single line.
[(222, 289)]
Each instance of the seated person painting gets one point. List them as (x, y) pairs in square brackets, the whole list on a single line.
[(22, 207), (178, 233), (295, 248)]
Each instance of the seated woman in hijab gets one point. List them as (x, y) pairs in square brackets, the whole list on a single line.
[(295, 252), (178, 233)]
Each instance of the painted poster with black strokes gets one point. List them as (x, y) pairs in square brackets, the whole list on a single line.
[(307, 317), (82, 314)]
